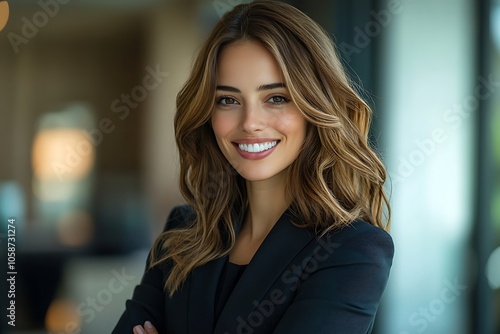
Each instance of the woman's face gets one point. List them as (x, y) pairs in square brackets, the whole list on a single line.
[(258, 128)]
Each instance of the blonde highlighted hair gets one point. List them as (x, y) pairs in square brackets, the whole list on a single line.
[(337, 176)]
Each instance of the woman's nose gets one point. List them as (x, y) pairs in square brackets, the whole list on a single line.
[(253, 118)]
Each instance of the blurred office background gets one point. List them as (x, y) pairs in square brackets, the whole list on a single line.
[(88, 164)]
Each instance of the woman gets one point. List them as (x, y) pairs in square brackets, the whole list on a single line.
[(283, 231)]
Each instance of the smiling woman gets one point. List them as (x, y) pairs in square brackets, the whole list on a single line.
[(293, 240), (254, 116)]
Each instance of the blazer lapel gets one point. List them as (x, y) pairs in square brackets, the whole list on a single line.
[(202, 288), (277, 250)]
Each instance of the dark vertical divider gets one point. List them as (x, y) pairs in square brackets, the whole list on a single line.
[(483, 236)]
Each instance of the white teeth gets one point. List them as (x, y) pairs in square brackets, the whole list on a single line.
[(256, 148)]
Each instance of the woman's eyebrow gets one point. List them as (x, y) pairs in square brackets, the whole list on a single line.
[(260, 88), (271, 86), (228, 89)]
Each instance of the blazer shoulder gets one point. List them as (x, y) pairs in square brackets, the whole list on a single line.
[(360, 229), (180, 216), (361, 241)]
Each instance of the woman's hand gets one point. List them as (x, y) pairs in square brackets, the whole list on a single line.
[(147, 329)]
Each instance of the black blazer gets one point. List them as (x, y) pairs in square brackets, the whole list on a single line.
[(295, 283)]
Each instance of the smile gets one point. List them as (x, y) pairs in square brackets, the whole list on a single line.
[(256, 148)]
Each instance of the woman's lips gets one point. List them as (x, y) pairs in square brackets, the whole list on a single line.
[(251, 145)]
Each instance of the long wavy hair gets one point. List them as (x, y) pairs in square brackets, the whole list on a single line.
[(336, 178)]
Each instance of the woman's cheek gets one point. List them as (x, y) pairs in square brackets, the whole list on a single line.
[(223, 123)]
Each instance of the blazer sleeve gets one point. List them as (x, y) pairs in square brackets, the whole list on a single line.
[(147, 302), (343, 294)]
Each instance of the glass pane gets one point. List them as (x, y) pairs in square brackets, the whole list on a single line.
[(493, 266)]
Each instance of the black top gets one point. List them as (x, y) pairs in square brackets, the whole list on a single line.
[(230, 276)]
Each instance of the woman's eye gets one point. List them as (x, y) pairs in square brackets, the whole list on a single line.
[(225, 100), (278, 99)]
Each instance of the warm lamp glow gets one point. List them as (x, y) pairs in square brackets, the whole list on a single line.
[(62, 317), (64, 154), (4, 14)]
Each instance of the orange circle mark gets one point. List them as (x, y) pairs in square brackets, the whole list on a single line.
[(4, 14)]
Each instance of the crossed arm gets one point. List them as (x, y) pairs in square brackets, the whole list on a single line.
[(147, 328)]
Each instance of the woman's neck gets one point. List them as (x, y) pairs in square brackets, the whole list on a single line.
[(266, 204)]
